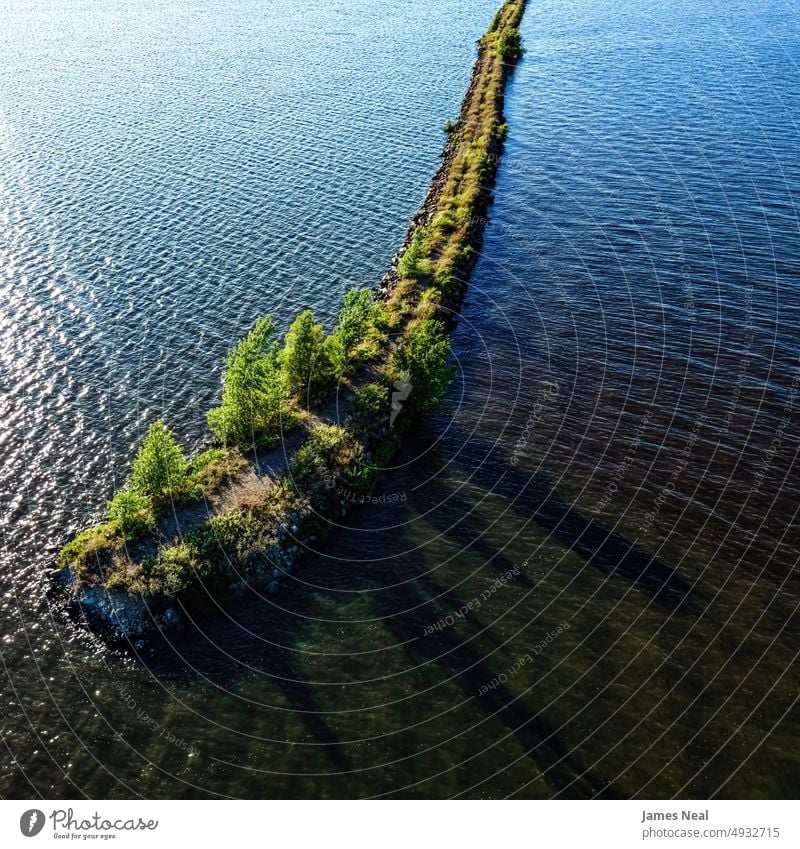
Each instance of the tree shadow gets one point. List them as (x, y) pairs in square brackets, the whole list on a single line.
[(252, 636), (464, 664), (534, 496)]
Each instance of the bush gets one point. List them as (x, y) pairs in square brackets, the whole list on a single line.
[(132, 511), (159, 468), (412, 264), (501, 131), (423, 357), (174, 569), (467, 257), (213, 468), (328, 447), (253, 397), (449, 126), (369, 409), (240, 533), (89, 546), (509, 44)]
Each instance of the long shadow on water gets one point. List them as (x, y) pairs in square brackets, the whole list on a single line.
[(533, 496)]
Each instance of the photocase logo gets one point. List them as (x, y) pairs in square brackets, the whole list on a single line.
[(403, 387), (31, 822)]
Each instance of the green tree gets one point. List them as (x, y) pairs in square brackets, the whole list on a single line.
[(252, 391), (159, 467), (310, 361), (423, 360), (356, 318)]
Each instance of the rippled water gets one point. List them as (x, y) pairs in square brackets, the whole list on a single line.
[(609, 488)]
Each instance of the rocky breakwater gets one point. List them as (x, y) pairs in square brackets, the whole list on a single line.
[(303, 427)]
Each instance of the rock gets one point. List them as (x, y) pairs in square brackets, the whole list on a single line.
[(276, 573), (273, 587), (140, 645), (170, 618), (127, 615)]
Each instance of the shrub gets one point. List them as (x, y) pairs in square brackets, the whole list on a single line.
[(328, 367), (240, 533), (449, 126), (509, 44), (423, 357), (253, 398), (467, 257), (328, 447), (447, 285), (369, 409), (444, 222), (211, 469), (159, 468), (174, 569), (501, 131), (132, 511), (412, 264), (91, 545)]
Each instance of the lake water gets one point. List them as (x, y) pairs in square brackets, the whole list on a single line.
[(584, 578)]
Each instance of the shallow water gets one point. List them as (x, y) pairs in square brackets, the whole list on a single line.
[(609, 488)]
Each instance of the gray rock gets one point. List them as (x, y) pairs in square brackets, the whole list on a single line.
[(126, 614), (273, 587)]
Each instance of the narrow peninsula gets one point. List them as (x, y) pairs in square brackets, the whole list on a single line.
[(306, 420)]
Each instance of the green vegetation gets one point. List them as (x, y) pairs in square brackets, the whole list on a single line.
[(369, 409), (212, 469), (131, 511), (159, 469), (509, 45), (358, 317), (328, 447), (398, 343), (88, 548), (254, 403), (412, 264), (449, 126), (423, 358), (310, 362)]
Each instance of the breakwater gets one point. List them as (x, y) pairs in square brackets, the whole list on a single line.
[(301, 423)]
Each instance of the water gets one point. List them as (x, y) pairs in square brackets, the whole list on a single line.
[(609, 487)]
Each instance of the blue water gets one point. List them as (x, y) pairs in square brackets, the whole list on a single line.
[(610, 486)]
